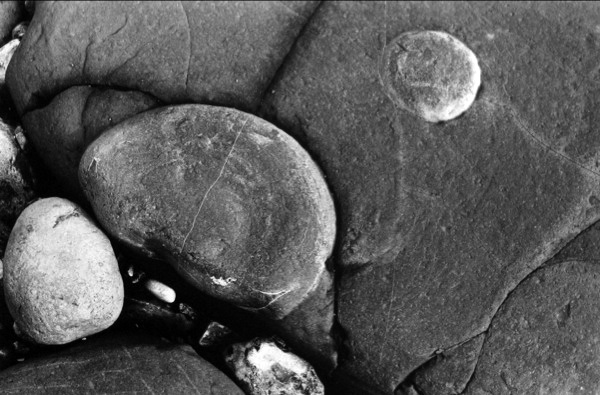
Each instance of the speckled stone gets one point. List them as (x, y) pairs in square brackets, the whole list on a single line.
[(61, 276)]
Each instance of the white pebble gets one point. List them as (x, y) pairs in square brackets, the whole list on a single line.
[(161, 291), (264, 367)]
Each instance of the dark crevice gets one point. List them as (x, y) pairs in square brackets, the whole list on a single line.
[(409, 381), (548, 263), (48, 101), (287, 55)]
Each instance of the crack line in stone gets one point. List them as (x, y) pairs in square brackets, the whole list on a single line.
[(212, 186)]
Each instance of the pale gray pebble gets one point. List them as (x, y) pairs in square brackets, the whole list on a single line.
[(61, 276)]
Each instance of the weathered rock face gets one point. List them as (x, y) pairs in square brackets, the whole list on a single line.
[(116, 362), (439, 222), (212, 52), (236, 206), (61, 278), (16, 182), (62, 130), (545, 339)]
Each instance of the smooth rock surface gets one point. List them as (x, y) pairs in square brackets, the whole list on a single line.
[(62, 130), (431, 74), (234, 204), (205, 51), (545, 337), (61, 277), (438, 222), (118, 362)]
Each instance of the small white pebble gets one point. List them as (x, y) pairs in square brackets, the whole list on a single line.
[(160, 290)]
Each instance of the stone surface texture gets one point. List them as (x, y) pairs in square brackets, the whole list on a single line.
[(61, 276), (118, 362)]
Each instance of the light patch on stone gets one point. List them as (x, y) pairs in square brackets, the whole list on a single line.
[(223, 282), (269, 354), (430, 74)]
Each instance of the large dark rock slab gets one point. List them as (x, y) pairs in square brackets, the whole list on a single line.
[(118, 362), (437, 223), (545, 338), (213, 52)]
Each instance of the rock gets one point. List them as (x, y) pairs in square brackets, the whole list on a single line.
[(215, 335), (6, 53), (61, 277), (234, 204), (450, 371), (19, 31), (210, 52), (11, 13), (431, 74), (160, 291), (545, 339), (16, 182), (265, 367), (438, 222), (63, 129), (112, 362)]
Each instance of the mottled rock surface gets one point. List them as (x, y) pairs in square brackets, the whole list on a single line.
[(61, 278), (16, 182), (116, 362)]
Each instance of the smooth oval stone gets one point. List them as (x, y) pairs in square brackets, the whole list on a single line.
[(61, 276), (234, 204)]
